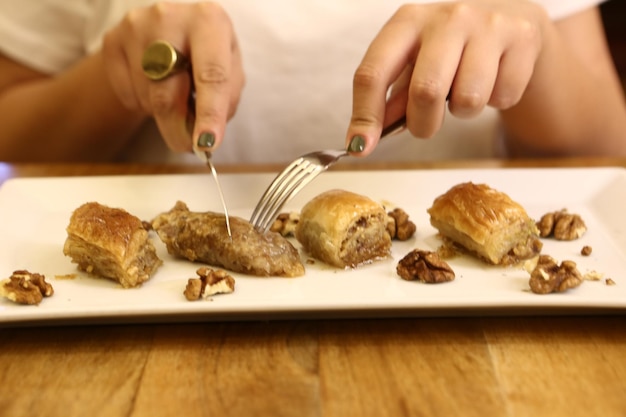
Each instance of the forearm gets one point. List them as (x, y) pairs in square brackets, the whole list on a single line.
[(574, 103), (74, 116)]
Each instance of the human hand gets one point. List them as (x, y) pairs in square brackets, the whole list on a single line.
[(204, 33), (472, 52)]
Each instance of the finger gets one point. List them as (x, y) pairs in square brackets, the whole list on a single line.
[(212, 55), (388, 55), (475, 78), (397, 97), (118, 69), (238, 80), (515, 71), (433, 74), (169, 102)]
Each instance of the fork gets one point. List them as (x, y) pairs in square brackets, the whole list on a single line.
[(297, 175)]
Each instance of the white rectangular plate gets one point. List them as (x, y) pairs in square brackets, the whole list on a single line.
[(34, 213)]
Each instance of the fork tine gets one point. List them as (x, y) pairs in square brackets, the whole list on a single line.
[(271, 191), (289, 175), (295, 184), (279, 191)]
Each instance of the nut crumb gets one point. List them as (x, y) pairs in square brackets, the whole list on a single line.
[(424, 266), (548, 276), (24, 287), (66, 276), (593, 276), (609, 281), (562, 225), (210, 282), (586, 250), (399, 226)]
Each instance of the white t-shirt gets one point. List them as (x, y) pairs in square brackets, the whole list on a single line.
[(299, 58)]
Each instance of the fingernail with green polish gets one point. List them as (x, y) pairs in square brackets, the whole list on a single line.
[(206, 140), (357, 144)]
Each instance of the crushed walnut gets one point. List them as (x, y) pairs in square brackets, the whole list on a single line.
[(24, 287), (609, 281), (593, 276), (210, 282), (286, 223), (562, 225), (424, 266), (399, 226), (586, 250), (548, 276)]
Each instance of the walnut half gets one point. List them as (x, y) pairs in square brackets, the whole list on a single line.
[(399, 226), (24, 287), (562, 225), (210, 282), (424, 266), (548, 276)]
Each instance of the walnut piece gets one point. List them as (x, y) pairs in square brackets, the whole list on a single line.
[(286, 223), (562, 225), (593, 276), (548, 276), (210, 282), (424, 266), (399, 226), (24, 287), (586, 250)]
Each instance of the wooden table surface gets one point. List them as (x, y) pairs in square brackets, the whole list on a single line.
[(456, 366)]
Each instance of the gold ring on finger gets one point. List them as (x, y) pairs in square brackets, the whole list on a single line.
[(161, 59)]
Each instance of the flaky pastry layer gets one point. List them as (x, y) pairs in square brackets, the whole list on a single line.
[(486, 222)]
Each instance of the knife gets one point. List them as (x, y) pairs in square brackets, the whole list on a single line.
[(160, 60), (206, 157)]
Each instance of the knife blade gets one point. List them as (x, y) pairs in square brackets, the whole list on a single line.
[(206, 157)]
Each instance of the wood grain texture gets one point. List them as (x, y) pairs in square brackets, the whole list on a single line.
[(511, 366), (515, 366)]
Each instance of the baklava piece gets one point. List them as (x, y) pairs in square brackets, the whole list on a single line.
[(344, 229), (487, 223), (203, 237), (110, 243)]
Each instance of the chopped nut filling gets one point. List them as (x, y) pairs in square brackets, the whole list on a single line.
[(286, 223)]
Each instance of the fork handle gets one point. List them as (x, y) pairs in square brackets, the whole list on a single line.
[(395, 127)]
